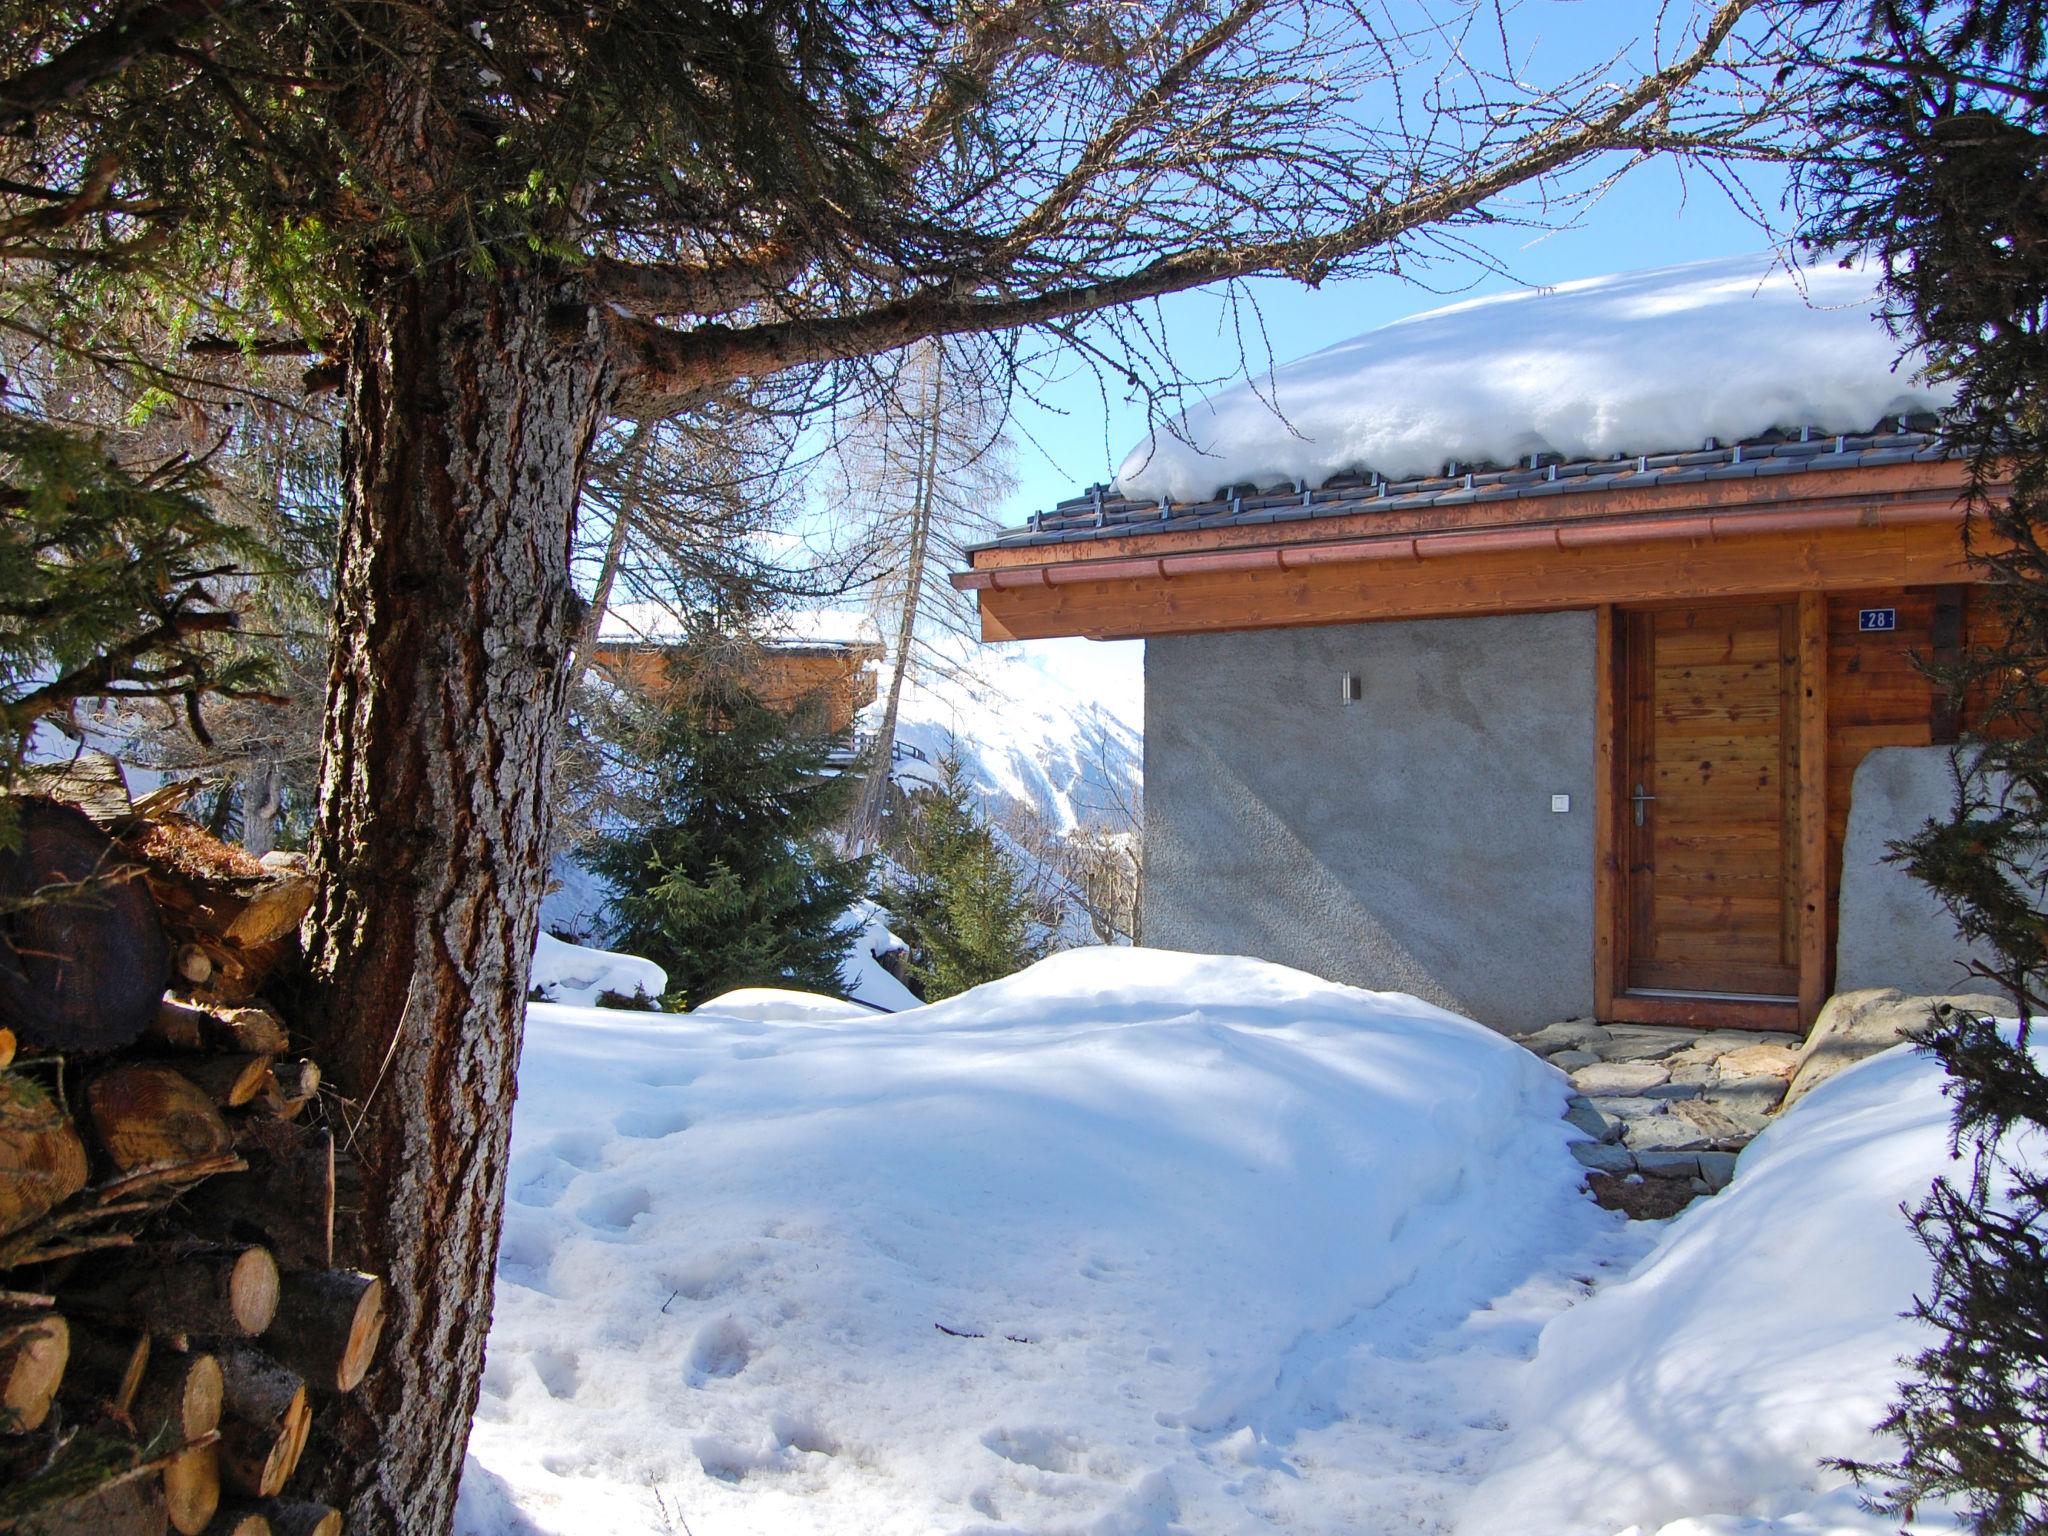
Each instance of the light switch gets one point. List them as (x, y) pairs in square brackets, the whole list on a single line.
[(1561, 803)]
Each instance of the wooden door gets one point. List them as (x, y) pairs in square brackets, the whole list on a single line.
[(1709, 810)]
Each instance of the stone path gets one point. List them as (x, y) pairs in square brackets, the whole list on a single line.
[(1668, 1108)]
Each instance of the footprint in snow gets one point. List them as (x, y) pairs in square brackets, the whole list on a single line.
[(800, 1432), (720, 1351), (651, 1124), (558, 1371), (1049, 1450), (617, 1209), (539, 1191), (579, 1149)]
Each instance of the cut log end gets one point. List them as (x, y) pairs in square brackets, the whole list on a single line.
[(33, 1354), (42, 1160), (241, 1522), (192, 1488), (183, 1392), (328, 1326), (253, 1290), (147, 1116)]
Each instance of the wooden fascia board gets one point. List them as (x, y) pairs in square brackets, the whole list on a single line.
[(1785, 549), (1807, 488)]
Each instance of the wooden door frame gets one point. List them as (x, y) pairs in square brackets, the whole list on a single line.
[(1612, 999)]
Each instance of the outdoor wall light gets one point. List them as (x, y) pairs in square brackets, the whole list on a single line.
[(1353, 688)]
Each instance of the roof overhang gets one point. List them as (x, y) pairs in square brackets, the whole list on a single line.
[(1885, 525)]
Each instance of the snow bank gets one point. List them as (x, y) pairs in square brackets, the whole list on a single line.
[(780, 1005), (572, 973), (1759, 1337), (1131, 1242), (1641, 362), (861, 974)]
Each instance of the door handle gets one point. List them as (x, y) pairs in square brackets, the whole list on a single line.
[(1641, 799)]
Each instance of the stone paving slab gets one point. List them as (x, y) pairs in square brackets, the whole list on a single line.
[(1670, 1106)]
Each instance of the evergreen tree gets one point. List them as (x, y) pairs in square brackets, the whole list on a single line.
[(731, 880), (962, 904), (111, 587), (1941, 170)]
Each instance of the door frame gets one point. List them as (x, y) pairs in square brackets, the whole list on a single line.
[(1612, 997)]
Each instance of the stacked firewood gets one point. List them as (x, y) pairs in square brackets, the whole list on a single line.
[(171, 1315)]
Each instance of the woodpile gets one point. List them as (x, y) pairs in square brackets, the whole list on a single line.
[(172, 1320)]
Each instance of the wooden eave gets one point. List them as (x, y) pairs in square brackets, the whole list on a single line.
[(1813, 531)]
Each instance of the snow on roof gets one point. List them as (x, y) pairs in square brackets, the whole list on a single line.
[(1639, 362), (658, 624)]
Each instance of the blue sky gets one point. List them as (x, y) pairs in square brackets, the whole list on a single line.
[(1655, 216)]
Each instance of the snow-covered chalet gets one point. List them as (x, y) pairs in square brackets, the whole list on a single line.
[(1549, 655)]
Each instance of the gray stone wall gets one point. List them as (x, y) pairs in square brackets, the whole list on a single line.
[(1405, 841), (1890, 930)]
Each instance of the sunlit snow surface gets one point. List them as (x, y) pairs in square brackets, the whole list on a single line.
[(1223, 1231), (1138, 1242), (1640, 362)]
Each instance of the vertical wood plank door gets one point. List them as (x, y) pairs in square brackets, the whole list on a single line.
[(1710, 807)]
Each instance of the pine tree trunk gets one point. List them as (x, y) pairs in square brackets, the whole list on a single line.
[(472, 405)]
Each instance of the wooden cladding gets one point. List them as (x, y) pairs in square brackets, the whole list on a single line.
[(1736, 890), (1710, 818)]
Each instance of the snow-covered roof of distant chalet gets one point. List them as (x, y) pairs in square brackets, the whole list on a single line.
[(1735, 366), (798, 629)]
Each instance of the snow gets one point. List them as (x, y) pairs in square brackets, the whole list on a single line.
[(1215, 1242), (574, 973), (1151, 1243), (1699, 1395), (861, 975), (1056, 730), (660, 624), (780, 1005), (1639, 362)]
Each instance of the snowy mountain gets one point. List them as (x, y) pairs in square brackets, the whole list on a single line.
[(1056, 727)]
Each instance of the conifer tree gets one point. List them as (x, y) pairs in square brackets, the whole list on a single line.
[(111, 587), (962, 903), (1941, 170), (732, 880)]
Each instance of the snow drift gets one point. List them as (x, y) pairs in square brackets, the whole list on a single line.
[(1640, 362), (1758, 1338), (1102, 1247)]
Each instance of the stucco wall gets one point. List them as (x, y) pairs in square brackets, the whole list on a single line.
[(1404, 841), (1891, 931)]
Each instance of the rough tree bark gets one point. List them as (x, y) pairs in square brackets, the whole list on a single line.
[(472, 406)]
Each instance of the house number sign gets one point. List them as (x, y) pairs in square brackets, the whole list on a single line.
[(1877, 618)]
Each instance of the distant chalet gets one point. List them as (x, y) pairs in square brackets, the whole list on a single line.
[(815, 667), (1575, 735)]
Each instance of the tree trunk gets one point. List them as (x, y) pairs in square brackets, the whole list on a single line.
[(472, 404), (262, 800), (867, 825), (614, 552)]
